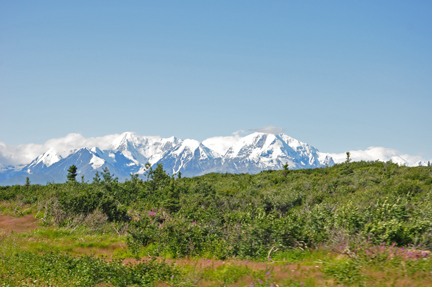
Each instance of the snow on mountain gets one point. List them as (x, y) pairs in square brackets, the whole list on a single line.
[(10, 171), (128, 144), (128, 153), (43, 161), (89, 161), (324, 159), (96, 162), (156, 148), (221, 144), (141, 150), (190, 157), (259, 151)]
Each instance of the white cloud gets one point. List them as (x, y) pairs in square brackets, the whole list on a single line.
[(222, 144), (268, 130), (237, 133), (380, 153), (25, 153)]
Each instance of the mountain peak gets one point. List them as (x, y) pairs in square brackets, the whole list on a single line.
[(123, 139), (47, 158), (128, 153)]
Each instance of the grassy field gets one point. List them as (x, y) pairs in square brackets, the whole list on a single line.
[(52, 256), (354, 224)]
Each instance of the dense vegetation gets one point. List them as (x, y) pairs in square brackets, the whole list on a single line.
[(350, 206)]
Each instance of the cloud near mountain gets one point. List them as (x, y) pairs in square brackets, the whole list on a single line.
[(268, 130), (221, 144), (128, 153), (382, 154), (25, 153)]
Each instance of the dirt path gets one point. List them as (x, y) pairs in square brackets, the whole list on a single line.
[(277, 271), (17, 225), (282, 270), (205, 263)]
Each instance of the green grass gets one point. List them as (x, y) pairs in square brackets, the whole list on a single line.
[(54, 268), (363, 223), (16, 208), (307, 257), (46, 239), (226, 274), (32, 255)]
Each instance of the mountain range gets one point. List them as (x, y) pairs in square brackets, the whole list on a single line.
[(128, 154)]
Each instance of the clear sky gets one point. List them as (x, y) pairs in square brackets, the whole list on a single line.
[(339, 75)]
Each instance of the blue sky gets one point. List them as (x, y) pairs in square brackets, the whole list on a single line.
[(340, 75)]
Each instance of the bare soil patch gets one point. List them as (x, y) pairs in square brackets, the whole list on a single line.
[(17, 225), (285, 269)]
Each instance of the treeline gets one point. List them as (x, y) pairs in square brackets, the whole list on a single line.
[(243, 215)]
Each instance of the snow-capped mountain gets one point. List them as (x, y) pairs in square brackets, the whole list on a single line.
[(128, 153), (9, 171), (43, 161), (142, 149), (261, 151), (88, 161), (191, 158)]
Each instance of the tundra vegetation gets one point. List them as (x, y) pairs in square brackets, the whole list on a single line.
[(352, 224)]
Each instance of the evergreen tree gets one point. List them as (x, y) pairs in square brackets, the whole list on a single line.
[(286, 169), (157, 178), (172, 202), (108, 178), (97, 178), (348, 159), (348, 168), (72, 173), (27, 184)]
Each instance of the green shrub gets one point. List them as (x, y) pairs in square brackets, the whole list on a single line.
[(243, 215), (59, 269), (347, 272)]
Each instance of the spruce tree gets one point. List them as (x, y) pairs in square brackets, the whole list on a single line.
[(348, 159), (97, 178), (157, 178), (72, 173), (286, 169), (27, 184), (172, 201), (347, 163), (108, 178)]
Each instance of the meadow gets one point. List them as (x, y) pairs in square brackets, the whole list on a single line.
[(352, 224)]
